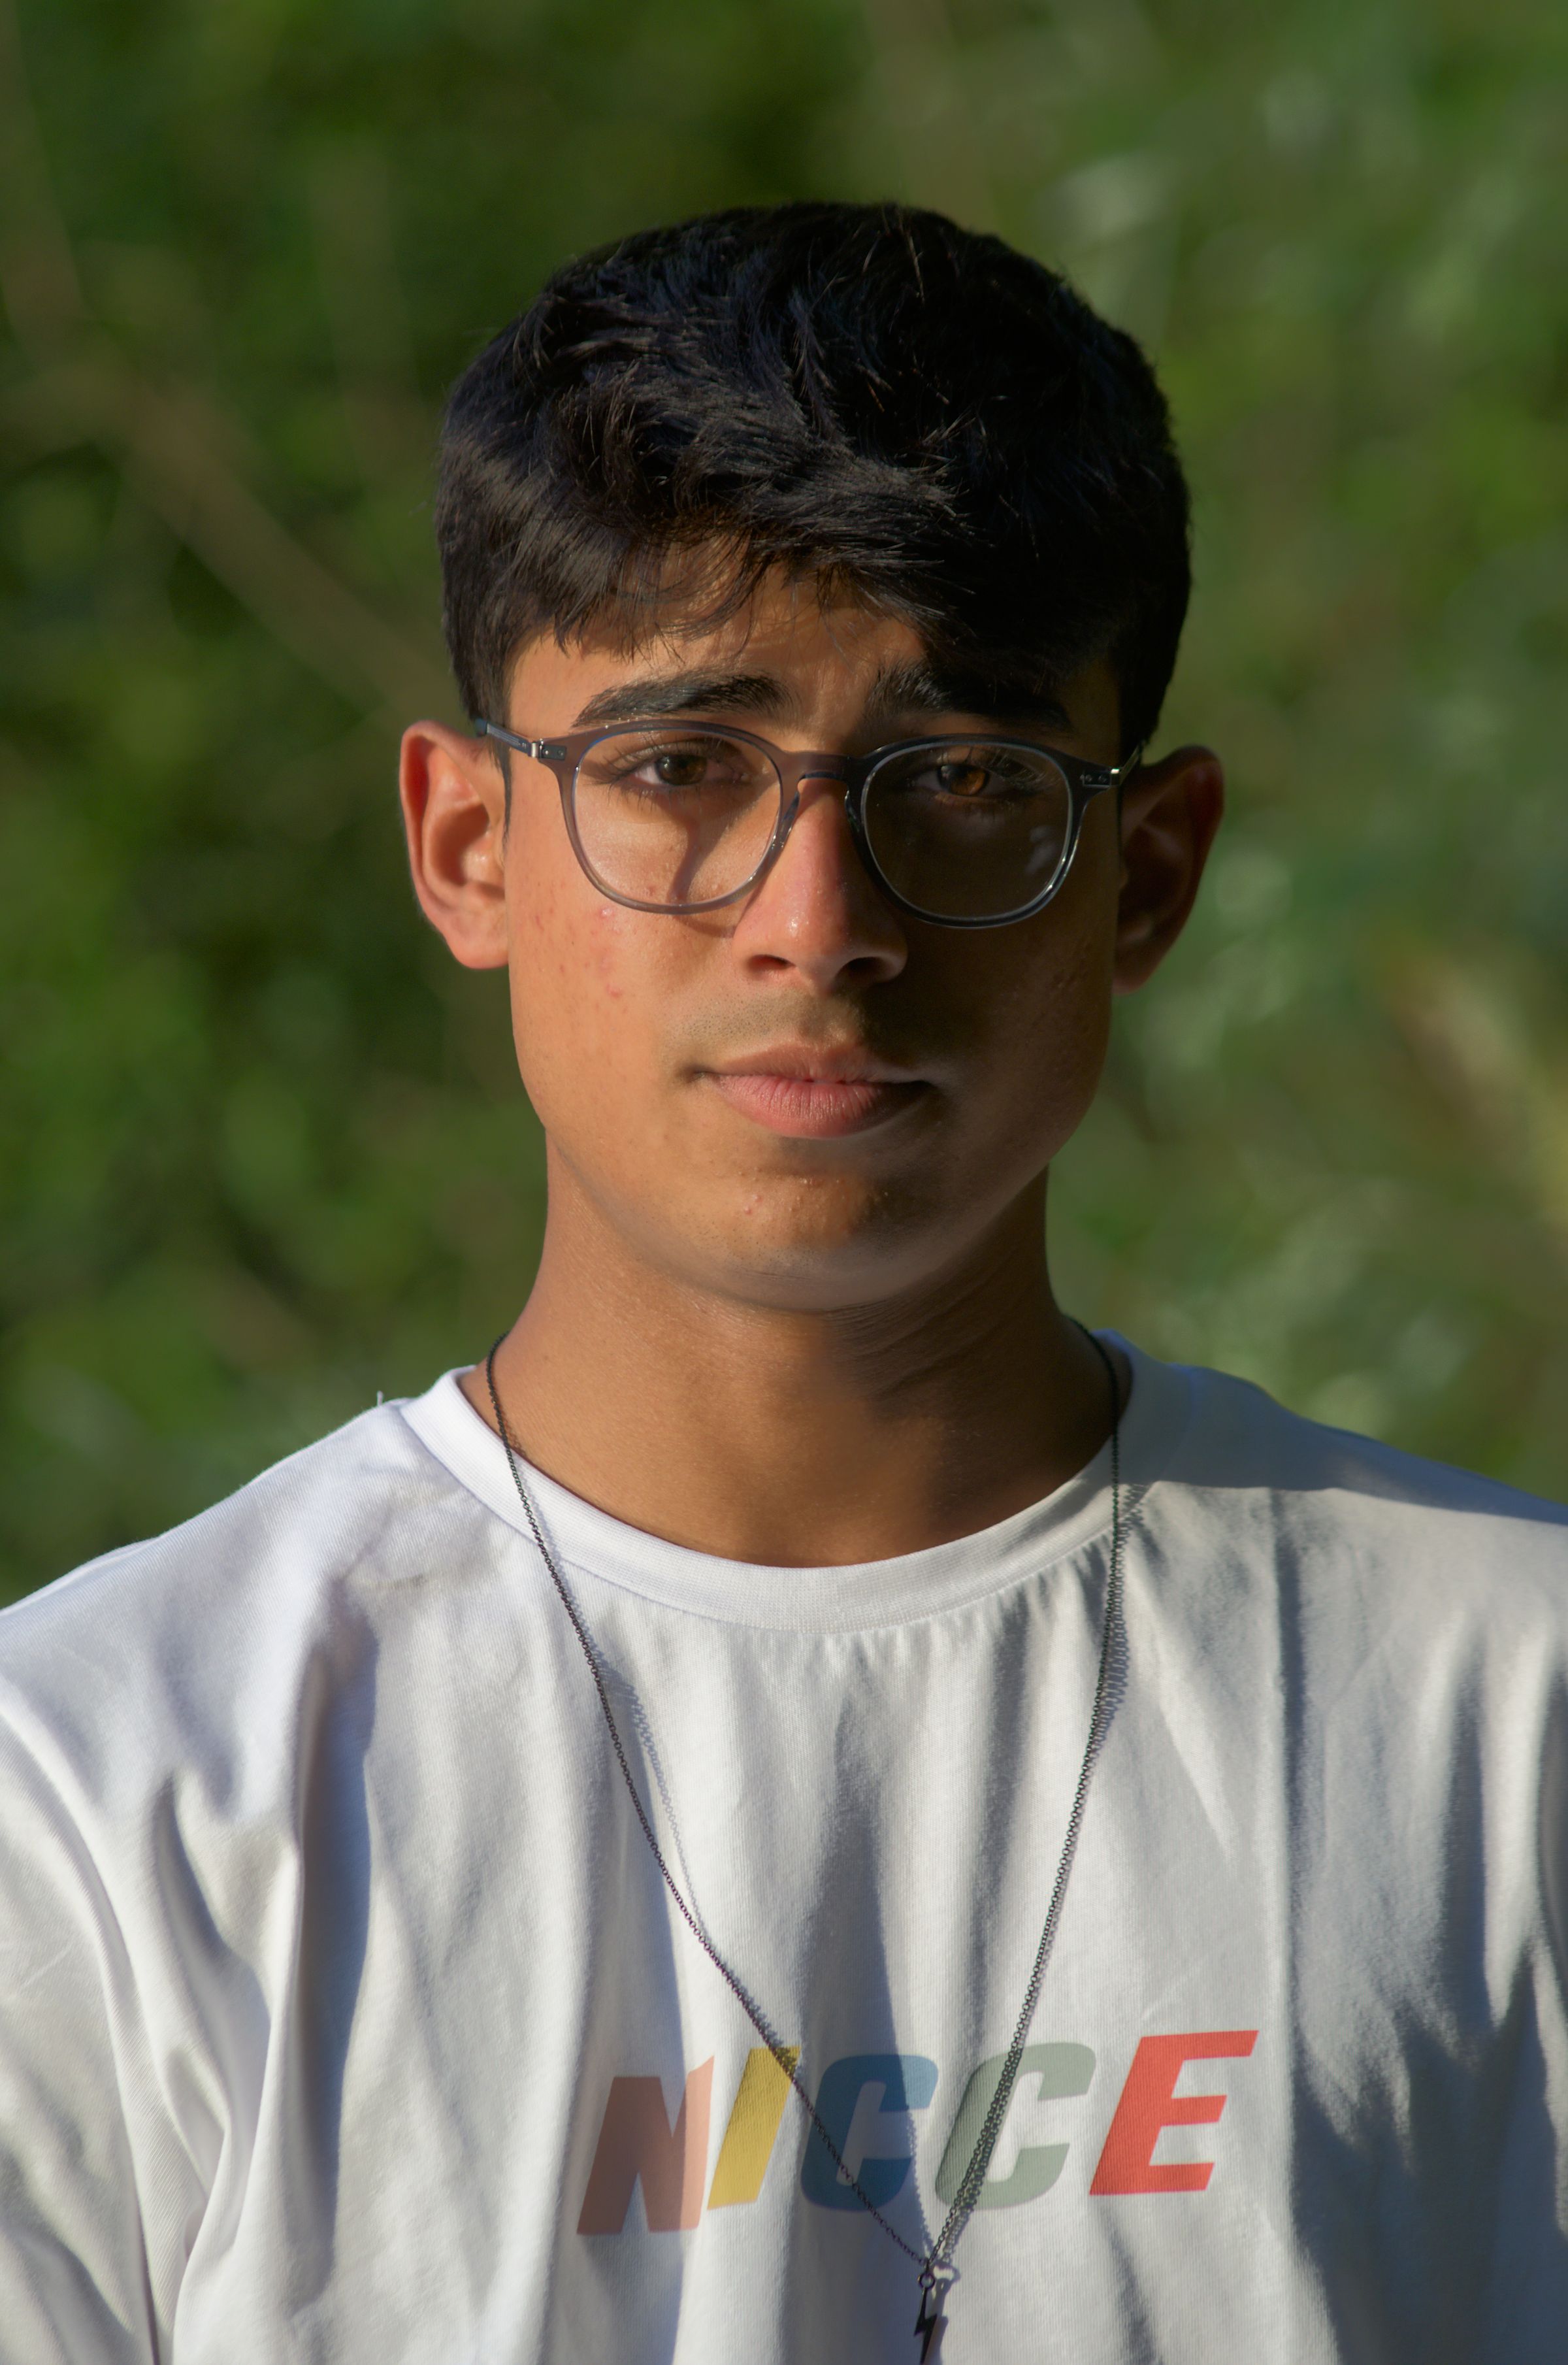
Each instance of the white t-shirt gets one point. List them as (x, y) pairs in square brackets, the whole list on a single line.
[(344, 2016)]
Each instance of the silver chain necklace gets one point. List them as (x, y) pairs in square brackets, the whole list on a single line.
[(937, 2273)]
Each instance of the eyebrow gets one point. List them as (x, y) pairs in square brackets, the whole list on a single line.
[(707, 691), (922, 688), (910, 688)]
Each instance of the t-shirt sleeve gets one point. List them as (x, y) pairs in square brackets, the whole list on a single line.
[(74, 2169), (1551, 1982)]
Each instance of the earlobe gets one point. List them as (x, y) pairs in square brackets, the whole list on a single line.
[(454, 803), (1169, 815)]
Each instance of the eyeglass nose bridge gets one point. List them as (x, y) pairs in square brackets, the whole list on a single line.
[(802, 768)]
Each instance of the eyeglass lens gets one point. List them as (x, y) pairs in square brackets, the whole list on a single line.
[(968, 832), (960, 830), (674, 817)]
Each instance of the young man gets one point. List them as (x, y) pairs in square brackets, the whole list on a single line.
[(808, 1809)]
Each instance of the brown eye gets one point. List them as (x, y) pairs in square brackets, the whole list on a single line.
[(962, 779), (680, 768)]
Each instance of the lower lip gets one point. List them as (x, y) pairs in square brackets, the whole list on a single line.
[(814, 1107)]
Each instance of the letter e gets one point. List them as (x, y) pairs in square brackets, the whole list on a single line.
[(1149, 2102)]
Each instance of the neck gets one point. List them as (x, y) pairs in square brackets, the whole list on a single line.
[(790, 1438)]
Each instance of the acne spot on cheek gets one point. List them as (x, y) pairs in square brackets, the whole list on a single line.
[(603, 954)]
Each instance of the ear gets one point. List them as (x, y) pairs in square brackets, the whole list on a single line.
[(453, 800), (1170, 814)]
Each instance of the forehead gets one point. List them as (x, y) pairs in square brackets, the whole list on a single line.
[(777, 652), (789, 656)]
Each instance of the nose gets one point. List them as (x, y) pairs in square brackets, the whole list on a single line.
[(815, 912)]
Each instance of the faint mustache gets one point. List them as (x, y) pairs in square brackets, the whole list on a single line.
[(780, 1041)]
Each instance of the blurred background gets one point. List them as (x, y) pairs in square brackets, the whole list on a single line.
[(263, 1151)]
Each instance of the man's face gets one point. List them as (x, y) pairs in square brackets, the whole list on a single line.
[(805, 1098)]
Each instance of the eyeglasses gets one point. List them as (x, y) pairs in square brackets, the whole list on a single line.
[(673, 816)]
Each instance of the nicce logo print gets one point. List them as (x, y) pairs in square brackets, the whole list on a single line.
[(639, 2144)]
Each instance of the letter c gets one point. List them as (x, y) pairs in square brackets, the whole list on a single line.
[(1059, 2071), (908, 2082)]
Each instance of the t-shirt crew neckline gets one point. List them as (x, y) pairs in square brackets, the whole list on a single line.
[(845, 1598)]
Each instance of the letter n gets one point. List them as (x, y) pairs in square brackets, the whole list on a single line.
[(637, 2140)]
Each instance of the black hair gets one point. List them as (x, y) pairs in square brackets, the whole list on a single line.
[(867, 396)]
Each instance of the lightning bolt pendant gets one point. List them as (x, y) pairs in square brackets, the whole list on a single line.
[(931, 2323)]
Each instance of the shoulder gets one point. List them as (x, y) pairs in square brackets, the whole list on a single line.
[(1337, 1513), (1239, 1436), (195, 1645)]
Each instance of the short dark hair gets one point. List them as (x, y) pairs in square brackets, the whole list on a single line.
[(910, 412)]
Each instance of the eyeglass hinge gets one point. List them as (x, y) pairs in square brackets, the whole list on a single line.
[(548, 750)]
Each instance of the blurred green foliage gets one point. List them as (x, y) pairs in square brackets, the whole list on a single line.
[(262, 1148)]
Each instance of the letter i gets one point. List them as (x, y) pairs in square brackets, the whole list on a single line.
[(754, 2125)]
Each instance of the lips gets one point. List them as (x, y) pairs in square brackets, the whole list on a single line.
[(815, 1096)]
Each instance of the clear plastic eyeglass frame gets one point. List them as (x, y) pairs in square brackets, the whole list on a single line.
[(793, 767)]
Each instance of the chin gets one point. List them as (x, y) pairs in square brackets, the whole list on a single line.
[(819, 1246)]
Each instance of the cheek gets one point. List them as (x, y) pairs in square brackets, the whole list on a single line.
[(582, 1019), (1046, 1024)]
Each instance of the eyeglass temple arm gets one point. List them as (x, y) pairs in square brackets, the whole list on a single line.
[(538, 748), (1115, 775)]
